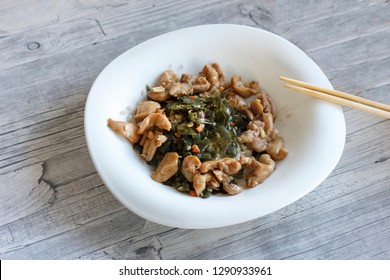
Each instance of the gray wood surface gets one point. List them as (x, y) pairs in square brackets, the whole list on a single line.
[(53, 205)]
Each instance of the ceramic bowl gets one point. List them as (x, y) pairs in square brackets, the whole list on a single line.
[(314, 130)]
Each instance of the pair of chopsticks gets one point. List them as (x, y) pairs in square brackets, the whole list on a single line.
[(339, 97)]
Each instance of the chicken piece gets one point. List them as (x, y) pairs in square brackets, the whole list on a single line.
[(219, 175), (156, 119), (199, 183), (255, 137), (261, 169), (211, 181), (199, 84), (225, 180), (268, 104), (159, 94), (189, 166), (227, 165), (146, 136), (254, 86), (276, 150), (269, 128), (211, 75), (256, 125), (232, 189), (236, 100), (253, 141), (151, 143), (125, 129), (248, 113), (221, 76), (245, 90), (168, 166), (188, 78), (256, 107), (180, 89), (167, 78), (146, 108)]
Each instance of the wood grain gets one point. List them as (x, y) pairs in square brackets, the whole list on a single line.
[(53, 205)]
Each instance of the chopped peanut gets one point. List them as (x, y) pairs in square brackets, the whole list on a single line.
[(199, 128), (195, 149)]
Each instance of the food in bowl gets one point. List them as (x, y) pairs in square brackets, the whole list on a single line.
[(205, 135)]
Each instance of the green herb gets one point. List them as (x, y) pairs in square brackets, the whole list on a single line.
[(221, 126), (221, 123)]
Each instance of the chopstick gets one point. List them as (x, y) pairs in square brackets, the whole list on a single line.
[(339, 97)]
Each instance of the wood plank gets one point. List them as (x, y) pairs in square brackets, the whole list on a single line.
[(16, 17), (66, 211), (347, 55), (49, 40), (43, 142), (78, 241), (50, 120), (149, 248), (33, 194), (364, 78), (312, 231)]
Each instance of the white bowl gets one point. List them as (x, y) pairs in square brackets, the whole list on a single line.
[(314, 130)]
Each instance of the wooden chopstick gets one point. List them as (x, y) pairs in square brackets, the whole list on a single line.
[(339, 97)]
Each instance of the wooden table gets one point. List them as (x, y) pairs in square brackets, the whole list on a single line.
[(53, 205)]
